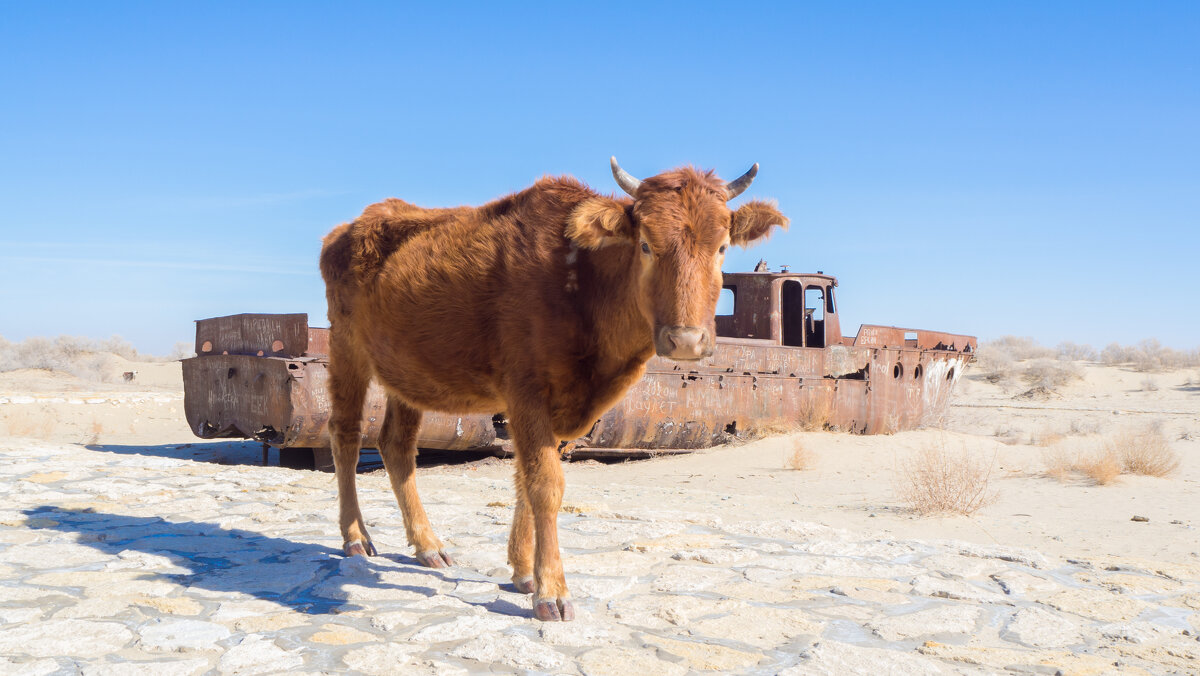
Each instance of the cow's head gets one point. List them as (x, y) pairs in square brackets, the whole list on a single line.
[(678, 227)]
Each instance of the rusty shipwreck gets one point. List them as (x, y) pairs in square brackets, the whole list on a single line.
[(781, 363)]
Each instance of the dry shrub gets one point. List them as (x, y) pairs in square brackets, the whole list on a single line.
[(938, 481), (1006, 359), (771, 429), (1102, 468), (1074, 352), (1146, 452), (816, 413), (1149, 385), (1050, 373), (182, 350), (995, 364), (80, 357), (800, 458), (1149, 355), (1020, 347)]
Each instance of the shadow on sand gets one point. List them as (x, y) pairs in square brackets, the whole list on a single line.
[(234, 452), (252, 453), (305, 577)]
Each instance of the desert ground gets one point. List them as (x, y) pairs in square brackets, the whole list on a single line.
[(129, 546)]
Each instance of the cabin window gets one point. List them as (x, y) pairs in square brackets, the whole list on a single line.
[(726, 301), (814, 316)]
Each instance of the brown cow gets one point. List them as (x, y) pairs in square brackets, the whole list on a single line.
[(545, 304)]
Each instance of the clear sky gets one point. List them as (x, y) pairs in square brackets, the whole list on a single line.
[(986, 168)]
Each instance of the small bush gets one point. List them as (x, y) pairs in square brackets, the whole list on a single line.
[(800, 458), (182, 350), (1073, 352), (1146, 452), (937, 481), (1050, 373), (1149, 385), (1115, 353), (995, 365)]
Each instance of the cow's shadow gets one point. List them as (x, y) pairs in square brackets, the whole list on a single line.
[(306, 577), (233, 452)]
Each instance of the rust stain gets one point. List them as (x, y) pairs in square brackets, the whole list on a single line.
[(780, 363)]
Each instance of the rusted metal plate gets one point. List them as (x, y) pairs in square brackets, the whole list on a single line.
[(780, 364), (891, 336), (254, 334), (285, 402)]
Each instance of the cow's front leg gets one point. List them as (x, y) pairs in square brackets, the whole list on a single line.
[(540, 477), (520, 543)]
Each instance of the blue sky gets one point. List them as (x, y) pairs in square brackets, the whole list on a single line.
[(1009, 168)]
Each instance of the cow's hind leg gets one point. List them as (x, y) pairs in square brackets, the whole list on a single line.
[(398, 447), (540, 477), (348, 380)]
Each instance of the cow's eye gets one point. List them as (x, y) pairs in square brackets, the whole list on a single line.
[(721, 250), (645, 248)]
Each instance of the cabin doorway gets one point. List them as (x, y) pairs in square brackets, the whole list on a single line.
[(793, 313)]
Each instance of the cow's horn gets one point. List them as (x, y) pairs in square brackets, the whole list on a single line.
[(739, 184), (624, 179)]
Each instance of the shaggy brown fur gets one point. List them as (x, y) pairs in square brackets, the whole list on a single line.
[(545, 304)]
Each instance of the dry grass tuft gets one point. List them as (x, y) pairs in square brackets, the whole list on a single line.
[(1146, 452), (1059, 463), (1102, 468), (938, 481), (800, 458), (1045, 437)]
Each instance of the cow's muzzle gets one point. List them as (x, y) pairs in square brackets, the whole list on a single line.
[(683, 343)]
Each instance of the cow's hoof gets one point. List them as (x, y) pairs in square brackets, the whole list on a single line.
[(554, 610), (434, 559), (359, 548), (525, 585)]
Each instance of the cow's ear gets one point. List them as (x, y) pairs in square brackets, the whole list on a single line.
[(753, 221), (598, 222)]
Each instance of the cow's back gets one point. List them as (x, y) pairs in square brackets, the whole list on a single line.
[(439, 300)]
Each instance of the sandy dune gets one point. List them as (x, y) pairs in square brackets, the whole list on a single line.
[(722, 560)]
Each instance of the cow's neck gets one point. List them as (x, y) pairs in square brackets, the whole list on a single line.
[(623, 336)]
